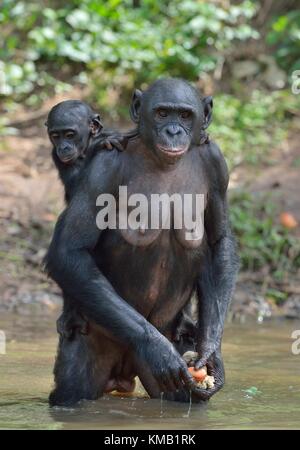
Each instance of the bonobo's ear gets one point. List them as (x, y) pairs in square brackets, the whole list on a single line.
[(207, 106), (136, 105), (95, 125)]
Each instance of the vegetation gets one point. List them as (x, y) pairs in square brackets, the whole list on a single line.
[(116, 45), (247, 127), (113, 43), (263, 242)]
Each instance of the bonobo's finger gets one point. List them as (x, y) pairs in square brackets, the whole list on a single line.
[(162, 386), (62, 329), (215, 368), (187, 378), (177, 381), (108, 145), (116, 143), (59, 327), (206, 394), (200, 363), (204, 358), (84, 329), (171, 385), (167, 382), (65, 332)]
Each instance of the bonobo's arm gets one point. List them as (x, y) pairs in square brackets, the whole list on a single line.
[(219, 268), (70, 264)]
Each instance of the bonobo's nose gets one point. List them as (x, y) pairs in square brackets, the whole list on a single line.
[(173, 130), (65, 150)]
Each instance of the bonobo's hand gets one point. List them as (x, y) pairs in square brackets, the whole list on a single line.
[(117, 140), (112, 141), (215, 368), (70, 322), (166, 365)]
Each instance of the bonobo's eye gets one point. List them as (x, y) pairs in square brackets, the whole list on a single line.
[(162, 113), (69, 134), (185, 114), (54, 136)]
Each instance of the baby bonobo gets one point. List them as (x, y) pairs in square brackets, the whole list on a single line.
[(76, 133)]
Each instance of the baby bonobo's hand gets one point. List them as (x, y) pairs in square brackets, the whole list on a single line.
[(113, 141), (71, 322)]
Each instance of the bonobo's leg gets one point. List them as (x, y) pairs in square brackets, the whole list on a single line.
[(73, 373), (185, 333), (71, 320), (83, 367)]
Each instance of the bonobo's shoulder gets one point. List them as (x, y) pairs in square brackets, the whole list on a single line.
[(216, 164), (103, 172)]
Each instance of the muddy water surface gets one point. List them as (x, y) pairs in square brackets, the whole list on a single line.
[(262, 387)]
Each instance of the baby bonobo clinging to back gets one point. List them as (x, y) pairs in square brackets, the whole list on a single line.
[(76, 133)]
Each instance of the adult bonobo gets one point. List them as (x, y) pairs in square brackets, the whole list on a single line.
[(132, 283)]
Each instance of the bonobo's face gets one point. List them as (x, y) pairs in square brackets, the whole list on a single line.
[(170, 115), (70, 128)]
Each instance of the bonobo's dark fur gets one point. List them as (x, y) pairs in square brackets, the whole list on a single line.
[(133, 284)]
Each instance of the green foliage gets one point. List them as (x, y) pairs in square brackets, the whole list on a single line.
[(285, 36), (262, 241), (126, 44), (247, 127)]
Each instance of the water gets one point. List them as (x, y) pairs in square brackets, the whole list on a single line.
[(256, 356)]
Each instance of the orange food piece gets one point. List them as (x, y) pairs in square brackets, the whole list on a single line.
[(288, 220), (199, 374)]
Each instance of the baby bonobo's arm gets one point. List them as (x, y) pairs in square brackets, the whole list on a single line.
[(109, 139)]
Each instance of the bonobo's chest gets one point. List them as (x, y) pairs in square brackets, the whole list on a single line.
[(153, 199)]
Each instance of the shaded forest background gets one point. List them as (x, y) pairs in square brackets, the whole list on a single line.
[(244, 53)]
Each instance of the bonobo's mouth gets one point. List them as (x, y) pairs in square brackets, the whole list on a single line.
[(172, 151), (67, 159)]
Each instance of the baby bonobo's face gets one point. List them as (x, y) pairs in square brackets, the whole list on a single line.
[(69, 139), (70, 129)]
